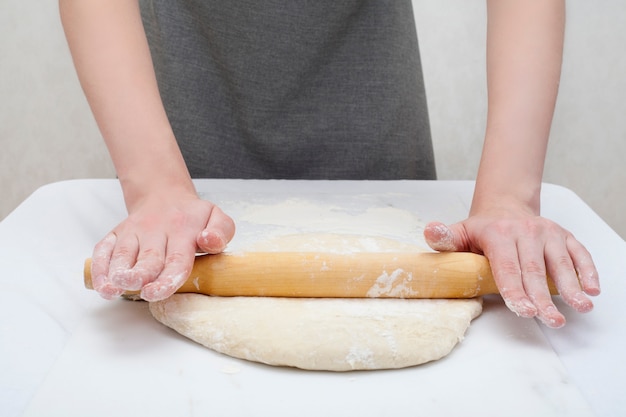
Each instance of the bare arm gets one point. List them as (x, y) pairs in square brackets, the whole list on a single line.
[(114, 66), (153, 249), (524, 52)]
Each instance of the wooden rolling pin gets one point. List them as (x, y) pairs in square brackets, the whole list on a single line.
[(334, 275)]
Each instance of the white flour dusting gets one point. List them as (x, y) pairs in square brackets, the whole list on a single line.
[(296, 216), (396, 285)]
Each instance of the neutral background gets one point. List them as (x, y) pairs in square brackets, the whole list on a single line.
[(47, 133)]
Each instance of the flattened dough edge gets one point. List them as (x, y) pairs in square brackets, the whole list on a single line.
[(321, 334)]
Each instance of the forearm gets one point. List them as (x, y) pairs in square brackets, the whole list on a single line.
[(113, 62), (524, 52)]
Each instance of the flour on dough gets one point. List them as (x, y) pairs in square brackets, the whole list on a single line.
[(332, 243), (322, 334)]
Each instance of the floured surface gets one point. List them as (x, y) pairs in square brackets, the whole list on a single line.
[(321, 334)]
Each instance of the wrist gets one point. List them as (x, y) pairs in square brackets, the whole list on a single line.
[(514, 198), (511, 169), (163, 189), (166, 180)]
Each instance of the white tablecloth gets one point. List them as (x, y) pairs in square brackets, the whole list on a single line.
[(63, 349)]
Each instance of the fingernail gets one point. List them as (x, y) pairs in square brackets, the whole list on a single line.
[(445, 238), (109, 293), (157, 292), (581, 303), (523, 308), (552, 318), (590, 282), (213, 240), (593, 289), (552, 323)]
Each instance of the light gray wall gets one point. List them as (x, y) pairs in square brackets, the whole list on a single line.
[(48, 134)]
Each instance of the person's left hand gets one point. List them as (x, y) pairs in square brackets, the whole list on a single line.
[(523, 248)]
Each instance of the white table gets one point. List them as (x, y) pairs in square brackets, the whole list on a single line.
[(64, 351)]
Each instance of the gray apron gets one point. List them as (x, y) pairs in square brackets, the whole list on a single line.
[(300, 89)]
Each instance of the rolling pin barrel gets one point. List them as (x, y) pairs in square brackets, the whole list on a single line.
[(346, 275)]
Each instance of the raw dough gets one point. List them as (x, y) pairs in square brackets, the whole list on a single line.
[(322, 334), (332, 243)]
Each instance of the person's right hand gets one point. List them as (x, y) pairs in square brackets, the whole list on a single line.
[(153, 250)]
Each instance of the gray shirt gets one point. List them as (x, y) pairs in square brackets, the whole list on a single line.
[(326, 89)]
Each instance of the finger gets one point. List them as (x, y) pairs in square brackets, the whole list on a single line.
[(561, 269), (535, 283), (150, 263), (123, 258), (100, 261), (507, 274), (178, 264), (101, 258), (441, 237), (586, 269), (219, 230)]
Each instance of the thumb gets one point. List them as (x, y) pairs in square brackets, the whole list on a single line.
[(443, 238), (216, 235)]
